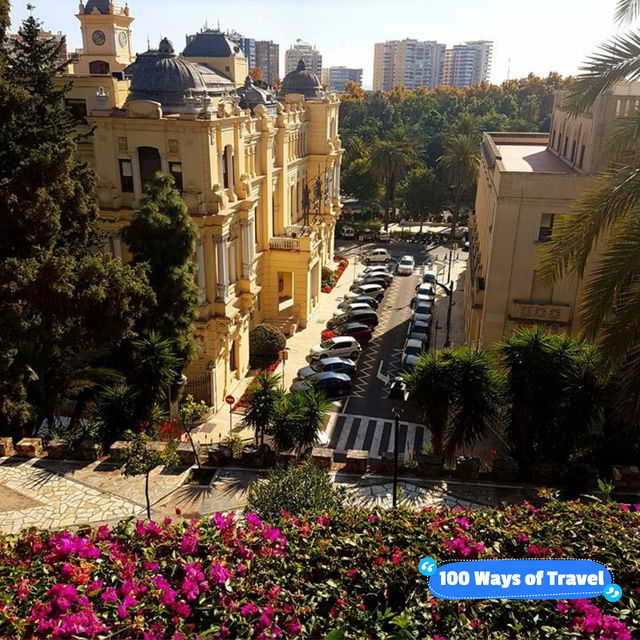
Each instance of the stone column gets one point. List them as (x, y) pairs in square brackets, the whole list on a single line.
[(117, 246), (247, 246), (202, 279), (223, 266)]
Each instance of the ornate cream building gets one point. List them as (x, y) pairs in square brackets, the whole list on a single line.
[(245, 161), (525, 181)]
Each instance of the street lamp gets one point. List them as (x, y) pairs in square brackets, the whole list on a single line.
[(398, 395)]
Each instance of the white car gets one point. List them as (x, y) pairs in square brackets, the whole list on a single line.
[(426, 290), (406, 265), (419, 330), (422, 312), (383, 236), (430, 275), (348, 232), (377, 255), (376, 268), (352, 307), (340, 346), (374, 290)]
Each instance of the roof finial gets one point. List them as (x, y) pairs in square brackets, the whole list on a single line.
[(148, 43), (218, 24), (30, 8)]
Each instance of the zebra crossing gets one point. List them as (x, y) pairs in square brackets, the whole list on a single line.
[(375, 435)]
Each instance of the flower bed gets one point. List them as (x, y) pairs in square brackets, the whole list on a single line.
[(343, 264), (244, 400), (352, 573)]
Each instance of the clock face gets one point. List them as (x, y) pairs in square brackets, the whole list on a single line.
[(98, 38), (122, 38)]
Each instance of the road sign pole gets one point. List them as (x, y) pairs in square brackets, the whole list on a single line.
[(230, 400)]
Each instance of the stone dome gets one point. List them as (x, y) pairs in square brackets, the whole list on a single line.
[(101, 5), (211, 44), (251, 96), (160, 75), (301, 81)]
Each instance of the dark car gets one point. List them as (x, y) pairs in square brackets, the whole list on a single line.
[(370, 318), (372, 302), (367, 235), (336, 365), (358, 330), (330, 383)]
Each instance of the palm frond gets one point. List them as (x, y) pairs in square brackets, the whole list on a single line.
[(627, 11), (615, 268), (575, 235), (618, 59), (625, 135), (628, 398)]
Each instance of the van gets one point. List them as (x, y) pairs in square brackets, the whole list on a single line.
[(348, 232)]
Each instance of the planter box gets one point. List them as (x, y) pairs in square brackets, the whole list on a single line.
[(627, 477), (57, 450), (256, 457), (186, 456), (544, 473), (505, 470), (357, 461), (158, 445), (6, 447), (429, 465), (322, 457), (467, 469), (89, 450), (285, 458), (219, 455), (118, 450), (29, 448)]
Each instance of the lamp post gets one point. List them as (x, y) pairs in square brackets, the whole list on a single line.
[(318, 195), (398, 395)]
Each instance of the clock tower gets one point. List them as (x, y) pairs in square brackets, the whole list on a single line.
[(106, 37)]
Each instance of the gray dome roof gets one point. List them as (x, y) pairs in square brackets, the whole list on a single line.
[(163, 77), (301, 81), (101, 5), (251, 96), (212, 44)]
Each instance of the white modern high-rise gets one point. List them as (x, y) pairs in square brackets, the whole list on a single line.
[(303, 51), (409, 63), (337, 77), (467, 64)]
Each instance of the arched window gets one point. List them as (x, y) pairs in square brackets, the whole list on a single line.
[(99, 67), (150, 164)]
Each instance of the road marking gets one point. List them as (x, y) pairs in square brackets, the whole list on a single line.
[(382, 376)]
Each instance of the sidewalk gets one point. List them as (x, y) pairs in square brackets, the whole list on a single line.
[(217, 426)]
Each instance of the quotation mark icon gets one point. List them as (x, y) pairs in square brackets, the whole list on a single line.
[(427, 566), (612, 593)]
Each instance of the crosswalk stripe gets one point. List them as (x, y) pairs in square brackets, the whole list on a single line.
[(337, 430), (344, 435), (353, 432)]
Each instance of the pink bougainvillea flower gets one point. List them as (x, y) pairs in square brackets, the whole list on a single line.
[(522, 537), (322, 521), (372, 518), (463, 522)]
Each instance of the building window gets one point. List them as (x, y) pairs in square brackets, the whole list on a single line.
[(559, 143), (540, 292), (150, 164), (175, 169), (573, 150), (126, 176), (566, 141), (233, 365), (582, 150), (99, 67), (553, 140), (546, 227), (78, 109)]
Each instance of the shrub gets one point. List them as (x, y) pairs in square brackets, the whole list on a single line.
[(295, 489), (342, 574), (265, 343), (327, 277)]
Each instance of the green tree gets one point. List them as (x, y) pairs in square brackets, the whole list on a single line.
[(265, 396), (423, 194), (390, 161), (357, 181), (265, 344), (190, 413), (163, 236), (554, 395), (63, 307), (142, 457), (459, 165), (300, 490), (607, 218)]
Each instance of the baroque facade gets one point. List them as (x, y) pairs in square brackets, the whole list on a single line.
[(259, 173)]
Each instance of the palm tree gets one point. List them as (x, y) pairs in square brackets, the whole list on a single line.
[(265, 395), (607, 217), (390, 160), (459, 164), (313, 413)]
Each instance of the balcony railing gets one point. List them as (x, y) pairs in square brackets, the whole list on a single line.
[(284, 244)]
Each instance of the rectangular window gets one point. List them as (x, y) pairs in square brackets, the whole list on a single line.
[(78, 109), (564, 151), (553, 140), (232, 263), (540, 292), (582, 150), (175, 169), (573, 150), (546, 227), (126, 176)]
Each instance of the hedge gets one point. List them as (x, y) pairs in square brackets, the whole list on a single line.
[(348, 574)]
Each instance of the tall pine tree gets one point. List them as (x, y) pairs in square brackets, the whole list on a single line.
[(63, 305)]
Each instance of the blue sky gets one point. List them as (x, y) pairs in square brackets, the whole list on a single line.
[(536, 35)]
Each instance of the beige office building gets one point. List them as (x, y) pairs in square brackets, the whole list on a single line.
[(525, 181), (407, 63)]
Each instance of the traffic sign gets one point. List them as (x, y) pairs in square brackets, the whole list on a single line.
[(229, 400), (284, 354)]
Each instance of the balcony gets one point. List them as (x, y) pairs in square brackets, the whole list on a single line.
[(284, 244), (310, 243)]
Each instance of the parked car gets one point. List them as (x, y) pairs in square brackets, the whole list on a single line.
[(383, 236), (361, 332), (430, 275), (340, 346), (376, 268), (331, 384), (406, 265), (351, 306), (422, 312), (384, 280), (370, 318), (347, 302), (419, 330), (366, 235), (377, 255), (412, 351), (374, 290), (348, 232), (426, 289), (337, 365)]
